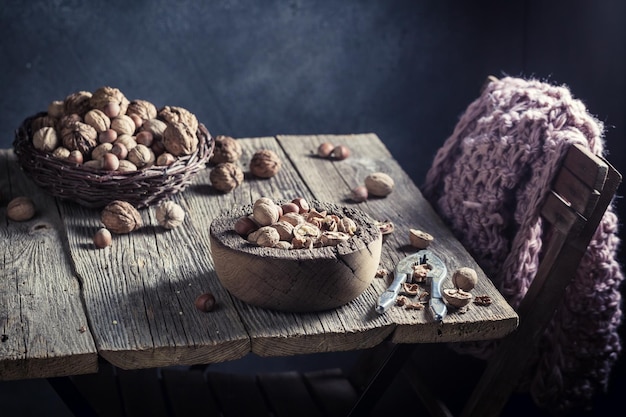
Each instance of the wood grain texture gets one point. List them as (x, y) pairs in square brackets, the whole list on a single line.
[(406, 208), (43, 329)]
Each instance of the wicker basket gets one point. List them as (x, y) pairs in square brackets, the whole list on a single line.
[(95, 189)]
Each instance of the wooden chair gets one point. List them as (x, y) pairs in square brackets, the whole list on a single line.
[(582, 189)]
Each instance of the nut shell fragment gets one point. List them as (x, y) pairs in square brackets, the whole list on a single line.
[(419, 239), (457, 297)]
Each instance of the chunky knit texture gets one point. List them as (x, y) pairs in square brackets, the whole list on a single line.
[(488, 181)]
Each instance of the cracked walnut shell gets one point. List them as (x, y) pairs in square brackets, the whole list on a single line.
[(79, 136), (121, 217)]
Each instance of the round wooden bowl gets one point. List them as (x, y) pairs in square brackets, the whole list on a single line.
[(296, 280)]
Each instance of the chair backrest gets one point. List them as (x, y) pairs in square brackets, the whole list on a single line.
[(583, 188)]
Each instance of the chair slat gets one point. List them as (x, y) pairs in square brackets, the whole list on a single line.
[(576, 192), (589, 168), (560, 213)]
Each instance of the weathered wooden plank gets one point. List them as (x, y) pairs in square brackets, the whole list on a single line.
[(43, 329), (406, 208), (140, 291)]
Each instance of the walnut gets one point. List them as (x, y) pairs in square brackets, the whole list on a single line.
[(141, 156), (20, 209), (227, 149), (123, 125), (142, 108), (104, 96), (172, 115), (226, 177), (265, 236), (179, 139), (98, 120), (284, 229), (121, 217), (127, 140), (265, 163), (347, 225), (126, 166), (77, 103), (99, 151), (170, 215), (61, 152), (79, 136), (464, 278), (265, 214), (292, 218), (46, 139), (379, 184), (155, 126)]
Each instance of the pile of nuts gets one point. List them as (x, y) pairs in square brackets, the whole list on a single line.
[(105, 131), (293, 225), (227, 174), (121, 217)]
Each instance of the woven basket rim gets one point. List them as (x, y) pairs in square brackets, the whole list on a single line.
[(96, 188)]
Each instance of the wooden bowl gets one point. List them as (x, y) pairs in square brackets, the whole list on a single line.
[(296, 280)]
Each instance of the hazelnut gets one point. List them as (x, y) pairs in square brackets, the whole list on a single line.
[(21, 209), (226, 149), (102, 238), (136, 119), (379, 184), (165, 159), (245, 225), (141, 156), (265, 163), (119, 150), (121, 217), (226, 176), (340, 152), (46, 139), (464, 278), (325, 149), (110, 162), (144, 138), (420, 239), (112, 110), (359, 194), (302, 204), (290, 208), (107, 136), (205, 302), (170, 215), (75, 157)]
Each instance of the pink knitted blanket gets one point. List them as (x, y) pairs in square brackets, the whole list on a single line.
[(488, 181)]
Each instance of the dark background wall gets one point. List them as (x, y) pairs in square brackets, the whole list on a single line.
[(403, 69)]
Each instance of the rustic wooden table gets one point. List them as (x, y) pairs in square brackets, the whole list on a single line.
[(63, 302)]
